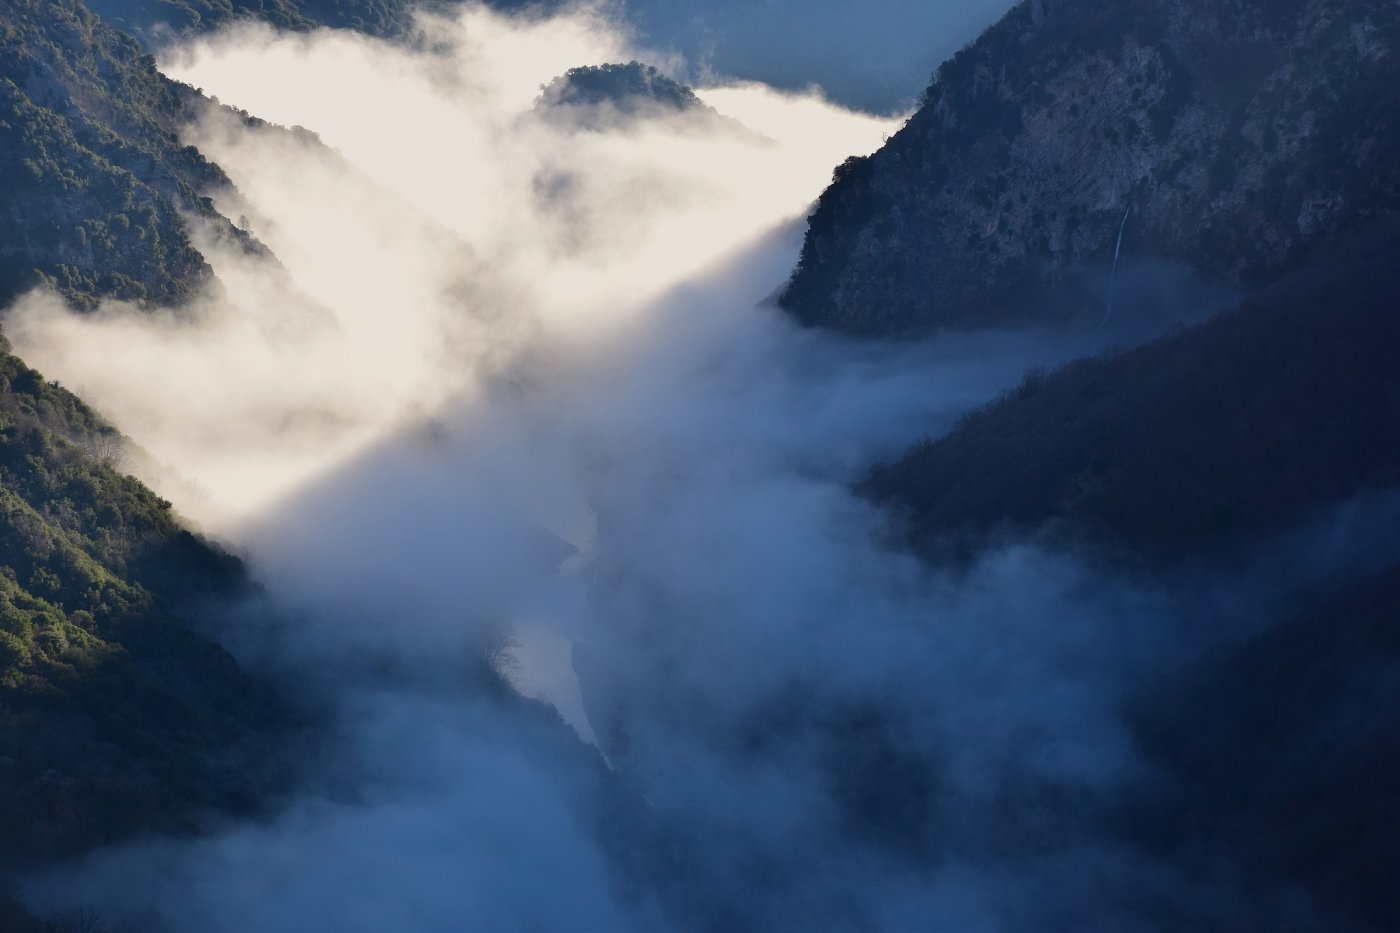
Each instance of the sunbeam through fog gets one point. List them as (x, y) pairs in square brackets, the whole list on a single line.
[(442, 227)]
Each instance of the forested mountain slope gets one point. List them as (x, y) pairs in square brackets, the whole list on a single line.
[(155, 20), (1188, 458), (1283, 755), (115, 714), (1235, 134), (96, 187), (1241, 427), (93, 178), (630, 90), (1255, 144)]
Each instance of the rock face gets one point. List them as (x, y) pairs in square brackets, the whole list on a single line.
[(93, 178), (1237, 133)]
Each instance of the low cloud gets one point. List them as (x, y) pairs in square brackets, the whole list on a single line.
[(509, 382)]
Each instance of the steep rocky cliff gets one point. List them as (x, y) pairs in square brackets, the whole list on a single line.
[(1234, 134)]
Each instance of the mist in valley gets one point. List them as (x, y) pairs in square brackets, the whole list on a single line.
[(554, 518)]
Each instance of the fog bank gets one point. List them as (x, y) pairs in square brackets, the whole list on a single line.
[(507, 409)]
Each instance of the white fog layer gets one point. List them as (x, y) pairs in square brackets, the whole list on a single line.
[(504, 397)]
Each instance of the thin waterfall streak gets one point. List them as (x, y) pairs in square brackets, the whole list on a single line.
[(1117, 251)]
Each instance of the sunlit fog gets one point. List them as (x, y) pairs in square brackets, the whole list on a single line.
[(551, 516)]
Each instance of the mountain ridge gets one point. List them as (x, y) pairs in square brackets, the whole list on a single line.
[(114, 707), (97, 184), (1000, 200), (115, 712)]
